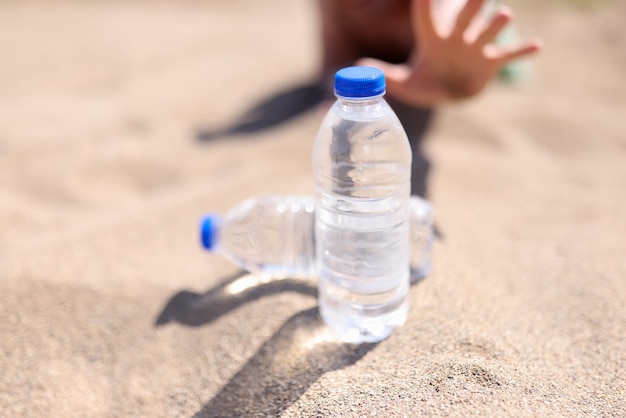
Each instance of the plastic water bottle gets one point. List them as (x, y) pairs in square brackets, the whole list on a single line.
[(421, 237), (274, 235), (362, 171)]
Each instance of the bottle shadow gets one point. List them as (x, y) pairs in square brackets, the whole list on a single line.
[(285, 367), (195, 309)]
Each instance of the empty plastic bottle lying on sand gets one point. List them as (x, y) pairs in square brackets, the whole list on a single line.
[(275, 235)]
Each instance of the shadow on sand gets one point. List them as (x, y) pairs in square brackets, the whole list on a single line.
[(270, 112), (195, 309), (287, 364), (285, 367)]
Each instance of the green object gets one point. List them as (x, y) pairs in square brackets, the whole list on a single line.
[(515, 72)]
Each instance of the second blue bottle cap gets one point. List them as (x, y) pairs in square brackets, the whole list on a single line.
[(359, 82), (209, 226)]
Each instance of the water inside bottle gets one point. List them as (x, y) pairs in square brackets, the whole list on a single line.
[(362, 267)]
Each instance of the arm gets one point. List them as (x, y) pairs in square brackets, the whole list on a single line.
[(449, 66)]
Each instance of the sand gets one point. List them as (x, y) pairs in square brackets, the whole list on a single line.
[(113, 122)]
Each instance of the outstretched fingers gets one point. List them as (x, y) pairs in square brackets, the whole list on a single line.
[(422, 19), (465, 17), (527, 48), (497, 23)]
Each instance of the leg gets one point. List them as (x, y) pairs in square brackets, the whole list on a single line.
[(416, 122)]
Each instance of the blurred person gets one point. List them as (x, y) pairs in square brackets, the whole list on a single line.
[(430, 54)]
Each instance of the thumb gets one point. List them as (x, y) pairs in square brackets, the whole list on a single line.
[(395, 75)]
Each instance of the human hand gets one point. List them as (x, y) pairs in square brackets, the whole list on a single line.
[(453, 64)]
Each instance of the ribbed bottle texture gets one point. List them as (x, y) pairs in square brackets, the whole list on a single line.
[(362, 165), (271, 234), (284, 222)]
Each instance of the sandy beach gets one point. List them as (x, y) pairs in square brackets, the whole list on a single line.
[(121, 123)]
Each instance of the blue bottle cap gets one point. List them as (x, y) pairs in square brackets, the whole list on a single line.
[(209, 226), (359, 82)]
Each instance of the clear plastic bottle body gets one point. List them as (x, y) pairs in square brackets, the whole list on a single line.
[(362, 165), (421, 237), (295, 228), (271, 234)]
